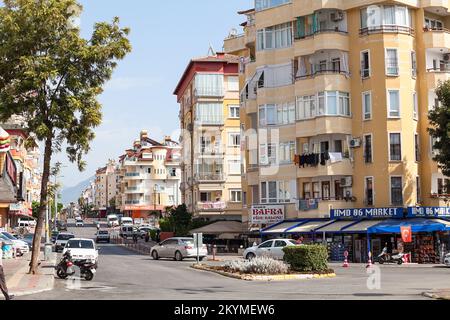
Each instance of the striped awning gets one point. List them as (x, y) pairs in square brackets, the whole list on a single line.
[(280, 228), (335, 226), (308, 227)]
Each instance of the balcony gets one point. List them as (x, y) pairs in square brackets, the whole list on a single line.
[(133, 202), (435, 76), (436, 38), (218, 206), (209, 177), (322, 40), (340, 168), (441, 4), (323, 125), (387, 29), (234, 44), (134, 190), (133, 176), (321, 208)]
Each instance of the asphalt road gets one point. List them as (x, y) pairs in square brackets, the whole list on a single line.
[(124, 275)]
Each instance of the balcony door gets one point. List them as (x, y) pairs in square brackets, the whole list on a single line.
[(326, 190)]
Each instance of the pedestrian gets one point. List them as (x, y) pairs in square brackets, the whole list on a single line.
[(135, 236), (3, 287)]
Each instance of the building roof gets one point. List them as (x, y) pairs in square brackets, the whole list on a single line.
[(219, 57), (247, 11)]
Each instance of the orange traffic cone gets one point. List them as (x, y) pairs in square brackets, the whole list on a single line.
[(346, 265), (369, 265)]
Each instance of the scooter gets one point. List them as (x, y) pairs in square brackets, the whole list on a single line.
[(387, 258), (87, 269), (65, 267)]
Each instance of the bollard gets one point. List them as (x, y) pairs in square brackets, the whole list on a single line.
[(346, 265), (369, 265), (214, 252)]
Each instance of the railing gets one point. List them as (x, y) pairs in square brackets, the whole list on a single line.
[(440, 29), (445, 69), (312, 34), (386, 29), (219, 205), (319, 71), (209, 177), (132, 174), (132, 202), (313, 204)]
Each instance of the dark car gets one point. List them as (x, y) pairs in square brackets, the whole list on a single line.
[(28, 238), (61, 226), (54, 236)]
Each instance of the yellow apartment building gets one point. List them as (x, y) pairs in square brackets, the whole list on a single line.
[(208, 94), (338, 93)]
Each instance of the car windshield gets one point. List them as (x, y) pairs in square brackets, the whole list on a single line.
[(80, 244), (103, 232), (79, 220), (65, 236)]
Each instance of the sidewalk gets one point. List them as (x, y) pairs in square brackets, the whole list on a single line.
[(443, 294), (21, 283)]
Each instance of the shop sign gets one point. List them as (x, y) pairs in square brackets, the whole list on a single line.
[(267, 214), (368, 213), (16, 207), (428, 212)]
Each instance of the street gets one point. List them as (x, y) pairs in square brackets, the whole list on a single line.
[(124, 275)]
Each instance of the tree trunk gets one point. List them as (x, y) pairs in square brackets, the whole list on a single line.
[(43, 206)]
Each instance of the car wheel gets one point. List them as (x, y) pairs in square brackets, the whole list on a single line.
[(89, 275), (178, 256), (202, 258), (155, 255), (61, 274), (250, 256)]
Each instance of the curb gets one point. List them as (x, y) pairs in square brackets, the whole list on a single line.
[(265, 278), (433, 296)]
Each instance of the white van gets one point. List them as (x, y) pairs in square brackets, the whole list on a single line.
[(125, 221), (24, 221), (113, 221)]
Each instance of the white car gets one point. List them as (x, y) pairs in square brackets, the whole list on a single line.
[(79, 223), (82, 249), (270, 248), (18, 244), (447, 260), (61, 240), (178, 249), (126, 221)]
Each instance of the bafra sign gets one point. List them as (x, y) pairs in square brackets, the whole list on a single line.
[(267, 214)]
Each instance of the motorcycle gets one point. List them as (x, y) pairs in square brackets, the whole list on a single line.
[(65, 267), (387, 258), (87, 269)]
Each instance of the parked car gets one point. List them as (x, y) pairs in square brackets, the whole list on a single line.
[(82, 249), (178, 249), (271, 248), (28, 238), (8, 242), (79, 222), (54, 236), (61, 225), (126, 221), (103, 235), (31, 222), (18, 244), (447, 260), (127, 231), (143, 231), (61, 240)]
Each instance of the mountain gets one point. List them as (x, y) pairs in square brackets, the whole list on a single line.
[(72, 194)]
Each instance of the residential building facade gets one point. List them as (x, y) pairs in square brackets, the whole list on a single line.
[(150, 177), (208, 94), (105, 190), (338, 93)]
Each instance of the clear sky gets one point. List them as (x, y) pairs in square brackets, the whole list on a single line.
[(164, 35)]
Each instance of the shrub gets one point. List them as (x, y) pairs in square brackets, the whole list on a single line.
[(153, 235), (259, 265), (307, 258)]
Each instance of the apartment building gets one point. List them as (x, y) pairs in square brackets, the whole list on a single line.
[(208, 94), (339, 92), (105, 190), (150, 177)]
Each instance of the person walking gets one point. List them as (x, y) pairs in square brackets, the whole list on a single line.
[(3, 287)]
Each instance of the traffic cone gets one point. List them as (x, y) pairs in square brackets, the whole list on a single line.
[(369, 265), (346, 265)]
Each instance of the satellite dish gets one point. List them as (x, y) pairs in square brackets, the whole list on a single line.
[(233, 33)]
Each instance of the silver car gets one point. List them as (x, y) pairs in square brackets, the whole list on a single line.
[(178, 249), (447, 260), (270, 248)]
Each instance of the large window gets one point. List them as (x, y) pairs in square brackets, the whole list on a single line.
[(395, 146), (268, 154), (209, 113), (392, 62), (287, 152), (278, 191), (367, 105), (235, 195), (328, 103), (280, 114), (233, 83), (368, 155), (394, 103), (266, 4), (387, 18), (396, 191), (210, 85), (276, 37)]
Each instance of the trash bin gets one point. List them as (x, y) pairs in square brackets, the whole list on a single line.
[(48, 249)]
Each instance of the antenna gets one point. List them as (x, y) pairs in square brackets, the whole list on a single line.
[(211, 51)]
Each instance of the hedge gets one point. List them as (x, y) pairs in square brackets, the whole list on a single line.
[(307, 258)]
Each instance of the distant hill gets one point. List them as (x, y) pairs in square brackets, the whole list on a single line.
[(72, 194)]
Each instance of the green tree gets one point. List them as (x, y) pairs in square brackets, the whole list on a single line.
[(35, 207), (440, 127), (52, 77), (180, 219)]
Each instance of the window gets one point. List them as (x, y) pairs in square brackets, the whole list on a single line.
[(209, 85), (396, 191), (276, 37), (235, 195), (277, 191), (433, 24), (418, 190), (234, 167), (269, 192), (395, 147), (417, 147), (367, 105), (413, 64), (306, 191), (316, 190), (267, 115), (233, 112), (391, 62), (368, 148), (209, 113), (415, 107), (369, 194), (266, 4), (328, 103), (267, 154), (387, 16), (443, 186), (234, 140), (281, 114), (233, 83), (365, 64), (394, 103), (287, 152)]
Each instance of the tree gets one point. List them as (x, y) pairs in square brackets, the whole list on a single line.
[(52, 77), (439, 128), (35, 208), (180, 219)]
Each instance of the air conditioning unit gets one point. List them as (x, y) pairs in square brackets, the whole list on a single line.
[(337, 16), (347, 182), (355, 143)]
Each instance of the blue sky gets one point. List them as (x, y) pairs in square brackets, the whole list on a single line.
[(164, 35)]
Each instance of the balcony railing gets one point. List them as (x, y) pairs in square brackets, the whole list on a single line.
[(441, 69), (133, 202), (215, 206), (386, 29), (315, 204), (132, 174), (323, 69), (325, 30), (209, 177)]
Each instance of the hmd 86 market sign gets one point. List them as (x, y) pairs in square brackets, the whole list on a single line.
[(428, 212), (366, 213), (267, 214)]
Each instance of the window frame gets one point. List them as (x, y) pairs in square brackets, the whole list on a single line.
[(389, 146), (369, 63), (389, 104), (390, 190), (363, 95), (386, 60), (371, 148), (235, 191), (230, 114)]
